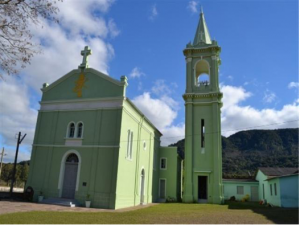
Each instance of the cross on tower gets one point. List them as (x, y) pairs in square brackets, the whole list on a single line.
[(85, 53)]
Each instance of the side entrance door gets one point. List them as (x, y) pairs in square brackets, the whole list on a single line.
[(254, 193), (202, 189), (162, 189)]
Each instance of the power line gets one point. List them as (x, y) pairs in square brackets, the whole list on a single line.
[(240, 129), (208, 133)]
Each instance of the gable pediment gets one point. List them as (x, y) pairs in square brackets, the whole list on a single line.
[(88, 84)]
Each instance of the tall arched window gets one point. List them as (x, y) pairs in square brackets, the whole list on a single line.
[(71, 130), (129, 144), (79, 130)]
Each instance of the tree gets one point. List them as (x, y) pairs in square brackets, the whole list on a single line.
[(16, 45), (6, 173), (24, 172)]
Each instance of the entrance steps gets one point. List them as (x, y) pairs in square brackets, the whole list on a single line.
[(61, 201)]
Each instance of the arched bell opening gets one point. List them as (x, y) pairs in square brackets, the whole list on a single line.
[(202, 73)]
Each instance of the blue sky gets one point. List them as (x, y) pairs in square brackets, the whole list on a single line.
[(144, 40)]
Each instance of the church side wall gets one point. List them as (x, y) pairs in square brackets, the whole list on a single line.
[(98, 155), (129, 178)]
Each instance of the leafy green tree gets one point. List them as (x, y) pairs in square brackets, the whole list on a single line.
[(6, 173), (24, 172)]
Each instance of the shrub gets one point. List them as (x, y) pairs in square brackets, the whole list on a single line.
[(246, 198), (232, 199)]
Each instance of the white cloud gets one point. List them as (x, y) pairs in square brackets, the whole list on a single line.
[(160, 88), (156, 110), (236, 117), (136, 73), (269, 96), (154, 12), (79, 16), (61, 43), (112, 27), (192, 6), (293, 85), (233, 95), (15, 112), (162, 113)]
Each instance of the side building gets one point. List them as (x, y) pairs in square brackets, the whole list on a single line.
[(272, 185), (279, 186)]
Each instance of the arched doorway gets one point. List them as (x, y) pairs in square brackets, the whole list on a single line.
[(142, 186), (70, 176)]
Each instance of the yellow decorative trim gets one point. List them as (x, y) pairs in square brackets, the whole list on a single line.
[(79, 84)]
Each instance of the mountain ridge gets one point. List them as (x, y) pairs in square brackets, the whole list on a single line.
[(245, 151)]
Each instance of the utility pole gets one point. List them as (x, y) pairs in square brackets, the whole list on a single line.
[(2, 154), (15, 163)]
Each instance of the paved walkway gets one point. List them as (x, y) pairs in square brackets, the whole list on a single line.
[(14, 206)]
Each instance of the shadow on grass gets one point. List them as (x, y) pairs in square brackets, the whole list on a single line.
[(276, 214)]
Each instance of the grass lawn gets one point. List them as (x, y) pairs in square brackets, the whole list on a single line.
[(166, 213)]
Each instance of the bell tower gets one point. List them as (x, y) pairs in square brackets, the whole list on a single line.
[(203, 151)]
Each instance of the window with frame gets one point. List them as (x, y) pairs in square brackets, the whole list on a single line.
[(71, 132), (129, 144), (163, 163), (79, 130), (240, 190), (271, 189), (275, 189)]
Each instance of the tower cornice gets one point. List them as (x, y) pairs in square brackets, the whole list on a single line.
[(210, 49), (188, 96)]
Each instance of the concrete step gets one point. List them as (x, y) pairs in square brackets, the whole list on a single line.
[(61, 201)]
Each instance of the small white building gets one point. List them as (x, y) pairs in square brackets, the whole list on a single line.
[(276, 186), (239, 188), (279, 186)]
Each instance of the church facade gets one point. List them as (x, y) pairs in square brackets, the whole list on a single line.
[(92, 143)]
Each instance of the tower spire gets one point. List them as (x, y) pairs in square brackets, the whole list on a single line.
[(202, 35)]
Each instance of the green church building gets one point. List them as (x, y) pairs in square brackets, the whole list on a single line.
[(91, 142)]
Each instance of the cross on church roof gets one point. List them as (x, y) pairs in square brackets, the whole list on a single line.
[(85, 53)]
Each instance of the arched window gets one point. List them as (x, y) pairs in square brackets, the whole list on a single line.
[(71, 130), (72, 158), (202, 72), (79, 130)]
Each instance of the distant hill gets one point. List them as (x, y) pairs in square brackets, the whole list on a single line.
[(246, 150)]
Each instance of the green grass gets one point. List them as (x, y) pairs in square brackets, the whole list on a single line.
[(166, 213)]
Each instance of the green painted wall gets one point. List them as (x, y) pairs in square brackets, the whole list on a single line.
[(172, 173), (49, 147), (129, 170), (230, 189)]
